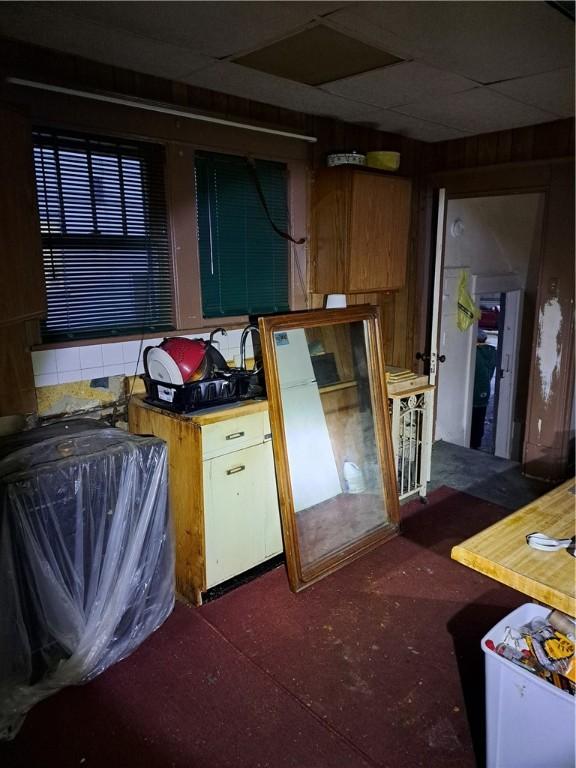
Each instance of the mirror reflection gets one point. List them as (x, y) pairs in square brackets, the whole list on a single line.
[(333, 458)]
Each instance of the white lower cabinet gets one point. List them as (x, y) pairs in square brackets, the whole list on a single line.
[(241, 528), (222, 488)]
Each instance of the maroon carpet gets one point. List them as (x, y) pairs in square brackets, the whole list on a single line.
[(377, 665)]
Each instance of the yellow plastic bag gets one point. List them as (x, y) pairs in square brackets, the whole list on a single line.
[(468, 312)]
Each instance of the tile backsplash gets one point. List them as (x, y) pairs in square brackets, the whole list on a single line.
[(94, 361)]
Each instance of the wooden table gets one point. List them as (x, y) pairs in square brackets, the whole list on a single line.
[(501, 551)]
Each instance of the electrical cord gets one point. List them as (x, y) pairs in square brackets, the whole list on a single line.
[(251, 163)]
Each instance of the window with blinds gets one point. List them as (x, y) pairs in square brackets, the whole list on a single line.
[(243, 261), (104, 235)]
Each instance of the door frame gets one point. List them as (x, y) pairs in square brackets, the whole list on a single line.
[(492, 181), (504, 440)]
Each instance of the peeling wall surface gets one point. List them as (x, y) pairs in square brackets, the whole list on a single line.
[(548, 449), (80, 396), (549, 348)]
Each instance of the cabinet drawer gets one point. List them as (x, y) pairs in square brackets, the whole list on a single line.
[(233, 434)]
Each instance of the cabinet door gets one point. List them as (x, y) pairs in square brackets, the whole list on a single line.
[(237, 503), (330, 230), (380, 224)]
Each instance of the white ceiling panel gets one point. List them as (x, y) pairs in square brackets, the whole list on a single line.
[(51, 29), (218, 29), (423, 130), (523, 49), (551, 91), (349, 21), (478, 111), (234, 79), (399, 84), (485, 41)]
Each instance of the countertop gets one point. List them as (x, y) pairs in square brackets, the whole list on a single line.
[(502, 553), (210, 415)]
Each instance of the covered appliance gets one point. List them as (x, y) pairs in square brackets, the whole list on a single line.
[(86, 557)]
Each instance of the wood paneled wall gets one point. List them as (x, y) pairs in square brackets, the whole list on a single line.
[(547, 141), (22, 294), (36, 63), (17, 392)]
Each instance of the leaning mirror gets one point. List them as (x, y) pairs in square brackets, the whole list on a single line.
[(330, 426)]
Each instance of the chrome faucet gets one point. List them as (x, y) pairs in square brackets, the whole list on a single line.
[(243, 338)]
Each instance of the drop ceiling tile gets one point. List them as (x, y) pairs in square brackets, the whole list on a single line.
[(236, 80), (349, 21), (485, 41), (399, 84), (218, 29), (422, 130), (50, 28), (479, 111), (552, 91), (231, 78)]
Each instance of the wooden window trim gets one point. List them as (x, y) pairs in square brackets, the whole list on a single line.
[(179, 180)]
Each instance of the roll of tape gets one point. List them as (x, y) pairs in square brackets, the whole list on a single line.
[(546, 543)]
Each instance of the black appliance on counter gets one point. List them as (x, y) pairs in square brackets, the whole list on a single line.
[(86, 556)]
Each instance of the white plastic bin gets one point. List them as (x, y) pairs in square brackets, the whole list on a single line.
[(529, 722)]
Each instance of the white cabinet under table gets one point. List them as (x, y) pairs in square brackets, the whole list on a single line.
[(222, 486)]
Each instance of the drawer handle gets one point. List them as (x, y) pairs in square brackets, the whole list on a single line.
[(234, 435), (268, 436), (234, 470)]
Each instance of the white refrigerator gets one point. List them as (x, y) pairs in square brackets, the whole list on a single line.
[(313, 472)]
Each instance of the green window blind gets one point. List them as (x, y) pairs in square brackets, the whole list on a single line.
[(104, 235), (243, 261)]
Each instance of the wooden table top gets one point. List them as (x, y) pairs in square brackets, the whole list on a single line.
[(502, 553)]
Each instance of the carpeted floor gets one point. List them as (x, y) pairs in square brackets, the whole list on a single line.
[(376, 665)]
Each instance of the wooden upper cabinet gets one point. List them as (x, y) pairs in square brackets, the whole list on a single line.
[(360, 231), (22, 291)]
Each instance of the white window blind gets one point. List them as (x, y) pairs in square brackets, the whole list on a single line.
[(104, 234)]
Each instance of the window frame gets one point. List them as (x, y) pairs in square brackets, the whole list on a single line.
[(188, 307), (180, 142), (242, 277), (61, 138)]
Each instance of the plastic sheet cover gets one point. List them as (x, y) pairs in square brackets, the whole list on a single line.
[(86, 558)]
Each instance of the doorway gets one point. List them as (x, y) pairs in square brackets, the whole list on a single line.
[(494, 240)]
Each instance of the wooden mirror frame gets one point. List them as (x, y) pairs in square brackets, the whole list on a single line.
[(299, 576)]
